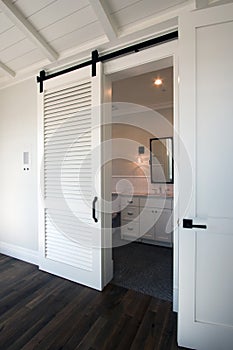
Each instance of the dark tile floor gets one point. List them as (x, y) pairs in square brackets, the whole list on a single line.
[(142, 267)]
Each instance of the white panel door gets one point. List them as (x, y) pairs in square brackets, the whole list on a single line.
[(75, 227), (205, 316)]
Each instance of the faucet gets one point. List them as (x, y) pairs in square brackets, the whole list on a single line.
[(157, 190)]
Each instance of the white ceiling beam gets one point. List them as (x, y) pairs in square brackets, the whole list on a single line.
[(27, 28), (7, 70), (202, 3), (210, 3), (105, 19)]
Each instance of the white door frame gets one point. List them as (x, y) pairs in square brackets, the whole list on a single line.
[(151, 55)]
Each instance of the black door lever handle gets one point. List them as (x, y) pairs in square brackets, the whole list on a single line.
[(94, 210), (188, 223)]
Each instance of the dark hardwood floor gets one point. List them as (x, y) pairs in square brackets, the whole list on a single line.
[(42, 311)]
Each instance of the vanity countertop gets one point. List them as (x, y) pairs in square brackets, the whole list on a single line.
[(162, 196)]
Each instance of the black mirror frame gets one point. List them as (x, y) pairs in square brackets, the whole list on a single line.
[(159, 182)]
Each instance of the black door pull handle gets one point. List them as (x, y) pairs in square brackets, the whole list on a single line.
[(188, 223), (94, 210)]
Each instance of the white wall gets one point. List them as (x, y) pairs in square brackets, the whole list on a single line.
[(18, 188), (129, 132)]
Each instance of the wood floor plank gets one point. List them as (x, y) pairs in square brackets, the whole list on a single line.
[(39, 311), (46, 335), (100, 304), (39, 316), (77, 322), (23, 319), (17, 295)]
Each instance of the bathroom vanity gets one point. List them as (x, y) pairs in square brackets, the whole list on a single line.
[(146, 218)]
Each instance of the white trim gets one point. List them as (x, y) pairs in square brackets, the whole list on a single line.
[(25, 26), (175, 299), (145, 56), (25, 254), (176, 155)]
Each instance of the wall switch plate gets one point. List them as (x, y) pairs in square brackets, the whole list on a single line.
[(26, 161)]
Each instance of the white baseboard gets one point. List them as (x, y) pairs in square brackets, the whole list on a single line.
[(28, 255)]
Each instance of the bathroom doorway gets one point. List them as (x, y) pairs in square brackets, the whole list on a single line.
[(143, 240)]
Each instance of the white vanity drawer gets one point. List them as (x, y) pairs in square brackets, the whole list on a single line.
[(155, 202), (130, 229), (129, 200), (130, 213)]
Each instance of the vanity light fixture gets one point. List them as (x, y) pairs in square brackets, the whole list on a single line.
[(141, 150)]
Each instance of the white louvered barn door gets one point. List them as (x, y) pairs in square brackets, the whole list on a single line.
[(72, 236)]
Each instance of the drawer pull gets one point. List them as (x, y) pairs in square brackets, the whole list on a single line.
[(129, 228), (130, 202), (130, 213)]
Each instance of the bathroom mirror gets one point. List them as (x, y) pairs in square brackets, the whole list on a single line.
[(161, 160)]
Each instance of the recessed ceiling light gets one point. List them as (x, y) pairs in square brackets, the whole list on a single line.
[(158, 82)]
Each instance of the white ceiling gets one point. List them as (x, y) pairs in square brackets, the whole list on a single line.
[(45, 34)]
